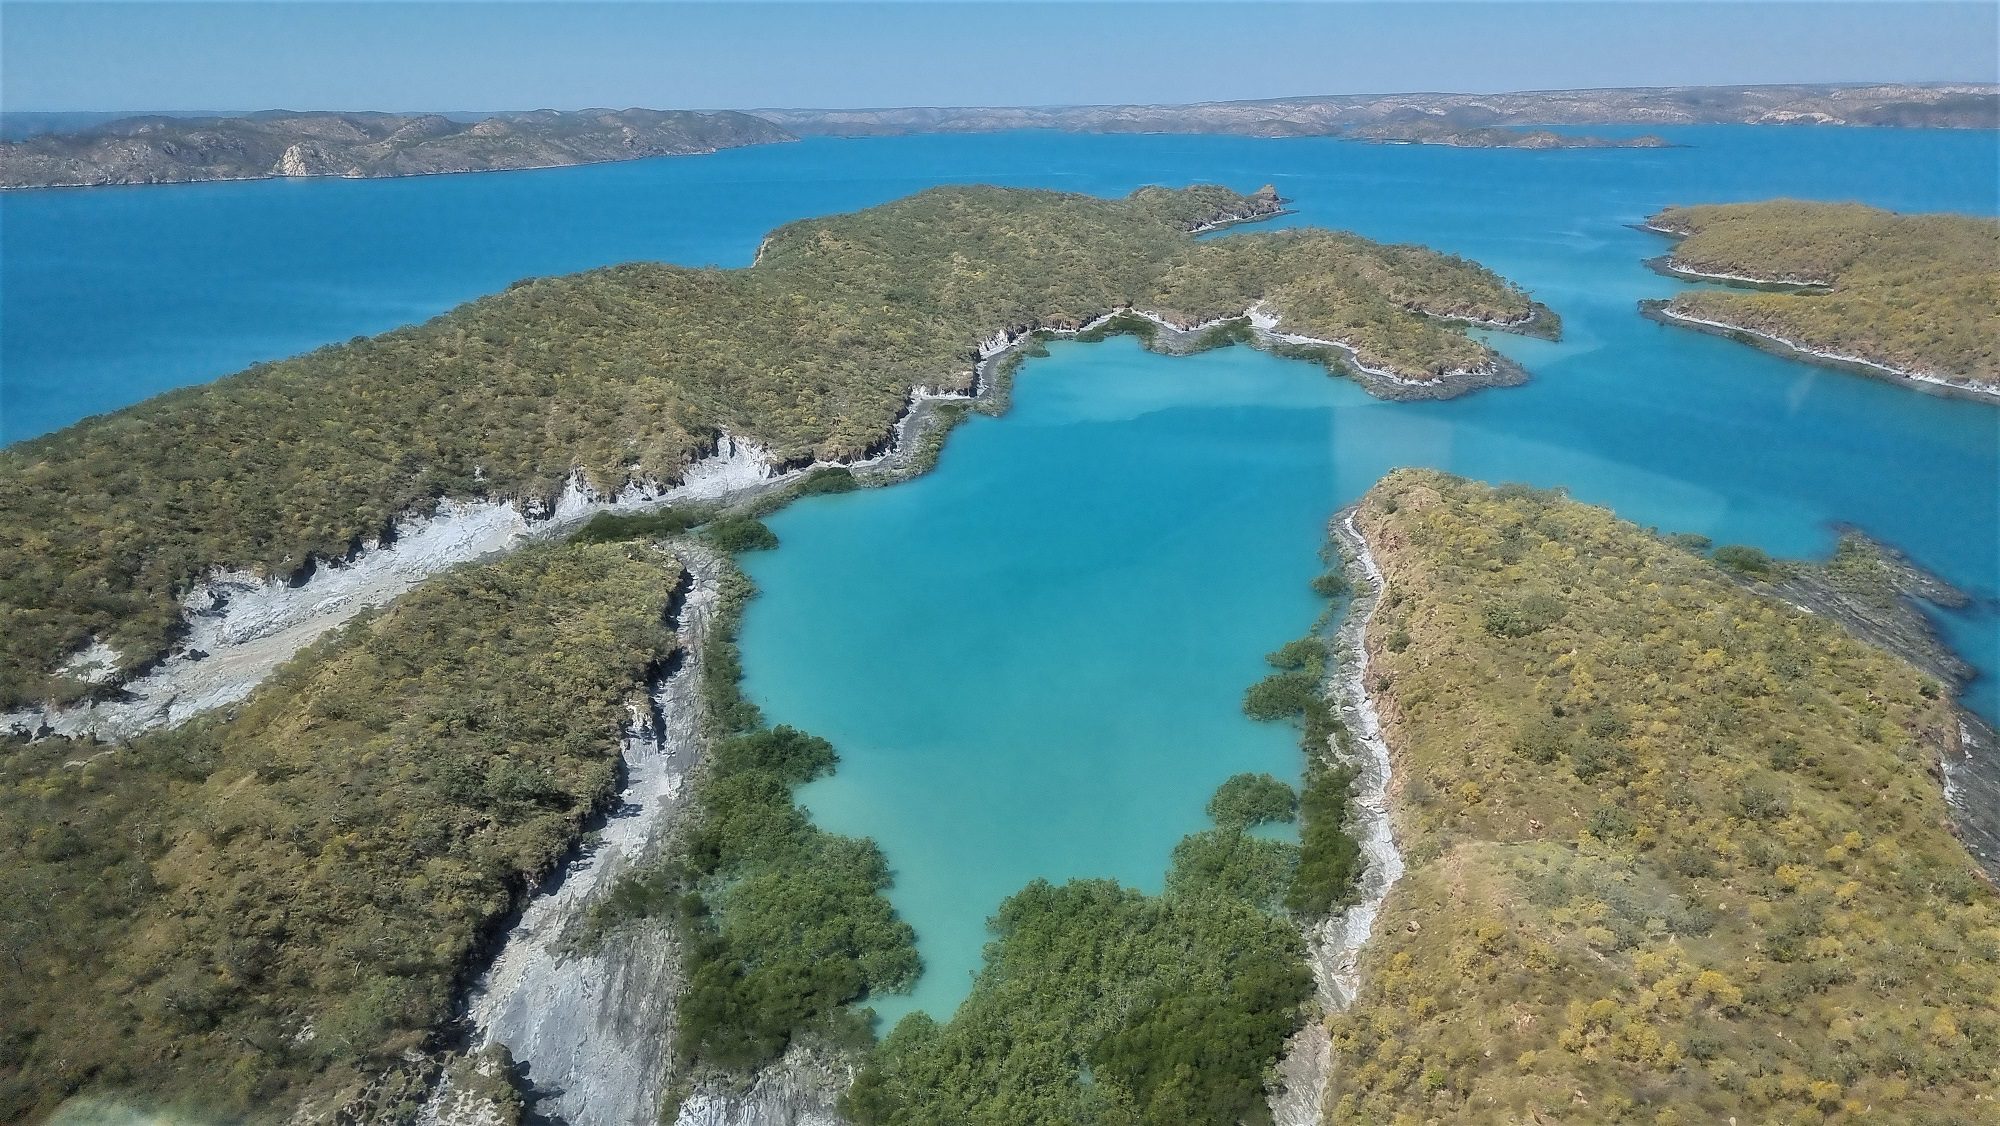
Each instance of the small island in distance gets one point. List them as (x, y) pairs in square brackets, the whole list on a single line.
[(1914, 298)]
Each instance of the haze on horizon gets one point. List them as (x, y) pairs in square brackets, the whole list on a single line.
[(482, 55)]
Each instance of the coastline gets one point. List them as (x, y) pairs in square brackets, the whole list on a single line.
[(591, 1026), (241, 626), (381, 176), (1667, 265), (1384, 383), (1334, 945), (1663, 313)]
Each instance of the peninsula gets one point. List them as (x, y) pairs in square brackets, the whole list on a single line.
[(1914, 298), (165, 150), (1675, 852), (624, 381)]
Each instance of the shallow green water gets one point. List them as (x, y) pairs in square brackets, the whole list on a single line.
[(1032, 659)]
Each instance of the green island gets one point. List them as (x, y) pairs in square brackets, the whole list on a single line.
[(1910, 297), (628, 375), (1675, 851)]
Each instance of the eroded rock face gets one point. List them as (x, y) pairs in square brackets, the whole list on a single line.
[(307, 158), (589, 1026)]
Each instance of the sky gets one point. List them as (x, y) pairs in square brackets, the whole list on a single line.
[(473, 55)]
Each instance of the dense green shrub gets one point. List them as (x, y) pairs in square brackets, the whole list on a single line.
[(1244, 800), (1332, 584), (1743, 560), (1282, 695), (784, 925), (610, 527), (1100, 1004), (1330, 858), (736, 534), (836, 479)]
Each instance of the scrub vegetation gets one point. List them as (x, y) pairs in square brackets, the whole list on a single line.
[(1919, 293), (783, 926), (276, 904), (632, 372), (1676, 851)]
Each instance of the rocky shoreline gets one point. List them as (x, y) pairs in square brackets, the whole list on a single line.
[(1882, 609), (586, 1030), (240, 626), (1662, 312), (1334, 945), (1666, 265)]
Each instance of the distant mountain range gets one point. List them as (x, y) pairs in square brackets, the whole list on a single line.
[(162, 150), (1958, 105), (170, 149)]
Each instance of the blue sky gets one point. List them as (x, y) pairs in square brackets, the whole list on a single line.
[(473, 55)]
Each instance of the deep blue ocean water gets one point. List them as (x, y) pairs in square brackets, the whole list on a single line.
[(1032, 659)]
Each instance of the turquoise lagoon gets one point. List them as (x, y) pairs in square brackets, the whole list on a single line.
[(1032, 659)]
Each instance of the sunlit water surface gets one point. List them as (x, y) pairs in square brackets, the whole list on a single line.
[(1032, 659)]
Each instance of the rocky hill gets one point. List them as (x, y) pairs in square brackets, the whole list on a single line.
[(165, 150), (160, 150), (1962, 106)]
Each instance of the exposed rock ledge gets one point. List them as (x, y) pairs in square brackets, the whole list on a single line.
[(242, 626), (1664, 313), (1333, 947)]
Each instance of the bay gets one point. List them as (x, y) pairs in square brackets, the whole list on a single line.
[(1032, 659)]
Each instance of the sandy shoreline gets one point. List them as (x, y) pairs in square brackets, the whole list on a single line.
[(1334, 946)]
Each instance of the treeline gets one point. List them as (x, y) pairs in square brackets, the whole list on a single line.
[(1919, 293), (1676, 852), (1099, 1004), (633, 372), (784, 927), (271, 907)]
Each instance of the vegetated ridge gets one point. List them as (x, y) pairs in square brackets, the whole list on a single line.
[(1491, 137), (170, 149), (1910, 296), (1675, 852), (1947, 105), (632, 373), (271, 909), (162, 150)]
